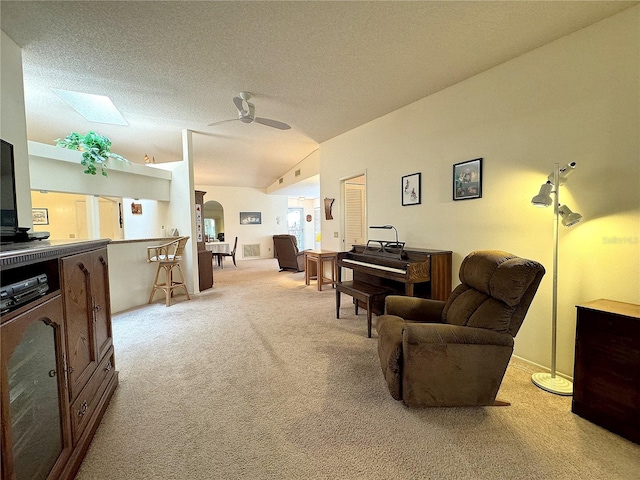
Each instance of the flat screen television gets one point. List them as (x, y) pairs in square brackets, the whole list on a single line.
[(9, 213)]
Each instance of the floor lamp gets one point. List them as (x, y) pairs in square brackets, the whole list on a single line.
[(550, 195)]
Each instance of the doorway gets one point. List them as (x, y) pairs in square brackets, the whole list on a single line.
[(294, 225), (213, 214)]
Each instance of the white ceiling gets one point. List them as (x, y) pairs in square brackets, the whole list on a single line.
[(323, 67)]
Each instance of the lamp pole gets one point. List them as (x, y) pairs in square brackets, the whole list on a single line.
[(554, 301), (549, 381)]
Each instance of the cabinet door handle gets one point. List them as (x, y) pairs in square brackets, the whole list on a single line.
[(83, 409), (97, 308), (52, 373), (108, 367)]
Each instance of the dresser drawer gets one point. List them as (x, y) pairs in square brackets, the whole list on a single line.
[(84, 407)]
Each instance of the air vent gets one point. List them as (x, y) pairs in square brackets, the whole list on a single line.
[(297, 173), (280, 180), (251, 250)]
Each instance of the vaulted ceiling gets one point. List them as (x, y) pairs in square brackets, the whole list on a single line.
[(322, 67)]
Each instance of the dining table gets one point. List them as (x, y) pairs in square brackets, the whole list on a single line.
[(217, 248)]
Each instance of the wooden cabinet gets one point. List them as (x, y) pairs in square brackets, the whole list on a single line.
[(205, 269), (606, 378), (37, 439), (85, 281), (205, 257), (58, 370)]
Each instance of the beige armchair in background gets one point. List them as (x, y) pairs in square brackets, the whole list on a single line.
[(455, 353), (285, 249)]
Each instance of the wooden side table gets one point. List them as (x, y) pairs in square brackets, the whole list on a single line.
[(314, 263)]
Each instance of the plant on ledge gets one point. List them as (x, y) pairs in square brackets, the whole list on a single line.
[(95, 150)]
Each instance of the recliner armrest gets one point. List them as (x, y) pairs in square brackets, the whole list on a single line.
[(414, 309), (419, 333), (389, 328)]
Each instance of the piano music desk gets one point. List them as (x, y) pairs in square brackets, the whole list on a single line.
[(314, 261)]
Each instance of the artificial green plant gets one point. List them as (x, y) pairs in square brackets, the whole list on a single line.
[(95, 150)]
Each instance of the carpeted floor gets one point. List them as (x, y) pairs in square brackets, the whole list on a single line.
[(257, 379)]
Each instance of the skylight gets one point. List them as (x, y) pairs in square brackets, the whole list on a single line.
[(95, 108)]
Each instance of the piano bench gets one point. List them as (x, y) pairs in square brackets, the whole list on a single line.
[(363, 292)]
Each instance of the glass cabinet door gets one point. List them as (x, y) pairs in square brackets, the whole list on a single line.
[(34, 391)]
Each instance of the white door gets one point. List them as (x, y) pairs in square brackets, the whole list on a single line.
[(355, 198)]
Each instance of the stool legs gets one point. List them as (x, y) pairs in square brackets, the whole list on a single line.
[(361, 292), (170, 284)]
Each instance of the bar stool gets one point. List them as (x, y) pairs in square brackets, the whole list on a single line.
[(168, 257)]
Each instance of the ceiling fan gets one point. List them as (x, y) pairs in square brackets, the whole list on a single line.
[(246, 114)]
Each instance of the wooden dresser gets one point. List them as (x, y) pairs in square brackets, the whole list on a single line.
[(57, 360), (606, 378)]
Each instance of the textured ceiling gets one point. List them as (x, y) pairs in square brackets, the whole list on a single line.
[(322, 67)]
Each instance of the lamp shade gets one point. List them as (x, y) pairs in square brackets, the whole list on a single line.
[(569, 218), (543, 199)]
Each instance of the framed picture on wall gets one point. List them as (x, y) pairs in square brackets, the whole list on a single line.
[(250, 218), (136, 208), (411, 189), (467, 179), (40, 216)]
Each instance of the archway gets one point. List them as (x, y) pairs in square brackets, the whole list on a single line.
[(213, 221)]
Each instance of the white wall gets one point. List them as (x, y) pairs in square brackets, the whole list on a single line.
[(576, 99), (240, 199), (13, 123), (131, 276), (155, 216), (182, 209), (307, 168), (58, 170)]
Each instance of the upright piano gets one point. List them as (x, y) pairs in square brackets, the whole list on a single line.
[(412, 272)]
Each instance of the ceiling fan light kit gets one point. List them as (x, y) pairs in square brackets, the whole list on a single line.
[(246, 114)]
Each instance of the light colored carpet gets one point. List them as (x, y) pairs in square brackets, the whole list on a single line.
[(257, 379)]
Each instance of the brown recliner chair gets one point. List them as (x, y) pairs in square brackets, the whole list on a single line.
[(285, 249), (455, 353)]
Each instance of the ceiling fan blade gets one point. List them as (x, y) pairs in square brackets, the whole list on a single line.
[(239, 104), (223, 121), (272, 123)]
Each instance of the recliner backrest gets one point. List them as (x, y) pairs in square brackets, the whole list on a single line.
[(496, 291), (286, 251), (283, 243)]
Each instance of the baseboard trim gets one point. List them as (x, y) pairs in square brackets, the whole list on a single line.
[(533, 367)]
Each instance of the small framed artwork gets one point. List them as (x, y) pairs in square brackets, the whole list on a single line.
[(40, 216), (250, 218), (467, 179), (136, 208), (411, 189)]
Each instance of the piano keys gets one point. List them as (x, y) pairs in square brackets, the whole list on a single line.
[(412, 272)]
